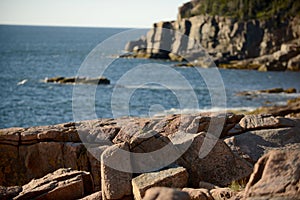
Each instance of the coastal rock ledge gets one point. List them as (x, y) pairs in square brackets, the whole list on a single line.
[(76, 160)]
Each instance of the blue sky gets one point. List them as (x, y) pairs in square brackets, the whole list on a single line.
[(96, 13)]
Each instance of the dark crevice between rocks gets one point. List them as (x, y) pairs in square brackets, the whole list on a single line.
[(118, 129), (19, 144)]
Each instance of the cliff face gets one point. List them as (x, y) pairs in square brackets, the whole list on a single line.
[(224, 38)]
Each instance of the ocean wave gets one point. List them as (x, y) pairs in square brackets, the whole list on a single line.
[(22, 82), (204, 110)]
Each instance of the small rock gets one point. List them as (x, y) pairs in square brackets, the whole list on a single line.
[(273, 90), (254, 144), (198, 194), (174, 177), (222, 193), (275, 176), (294, 63), (290, 90), (164, 193)]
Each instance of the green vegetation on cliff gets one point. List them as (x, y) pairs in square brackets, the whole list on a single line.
[(243, 9)]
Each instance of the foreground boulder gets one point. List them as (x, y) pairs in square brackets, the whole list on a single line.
[(61, 184), (219, 167), (275, 176), (116, 184), (78, 80)]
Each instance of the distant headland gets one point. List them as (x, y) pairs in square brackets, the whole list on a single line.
[(236, 34)]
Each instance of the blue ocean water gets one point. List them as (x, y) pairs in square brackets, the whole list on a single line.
[(29, 54)]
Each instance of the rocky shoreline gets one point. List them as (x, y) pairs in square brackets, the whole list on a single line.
[(270, 44), (63, 161)]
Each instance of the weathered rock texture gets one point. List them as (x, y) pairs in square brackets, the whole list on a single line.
[(262, 133), (274, 42), (216, 167), (275, 176), (28, 153), (116, 184), (61, 184)]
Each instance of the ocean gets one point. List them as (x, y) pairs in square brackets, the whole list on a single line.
[(139, 87)]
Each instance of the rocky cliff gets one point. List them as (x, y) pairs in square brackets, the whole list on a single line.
[(227, 39)]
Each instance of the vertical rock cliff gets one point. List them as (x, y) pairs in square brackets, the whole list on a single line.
[(225, 38)]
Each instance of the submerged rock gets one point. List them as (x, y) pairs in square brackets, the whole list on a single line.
[(267, 91), (78, 80)]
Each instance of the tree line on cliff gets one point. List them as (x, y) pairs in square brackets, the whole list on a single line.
[(242, 9)]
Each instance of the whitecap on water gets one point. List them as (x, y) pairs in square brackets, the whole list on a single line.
[(22, 82)]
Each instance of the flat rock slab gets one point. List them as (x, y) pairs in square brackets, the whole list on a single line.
[(262, 121), (254, 144), (61, 184), (174, 177)]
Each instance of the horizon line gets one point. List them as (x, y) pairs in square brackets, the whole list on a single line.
[(72, 26)]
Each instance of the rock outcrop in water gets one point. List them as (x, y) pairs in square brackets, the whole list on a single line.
[(78, 80), (270, 43), (32, 153)]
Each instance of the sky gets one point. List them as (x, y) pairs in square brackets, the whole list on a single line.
[(90, 13)]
